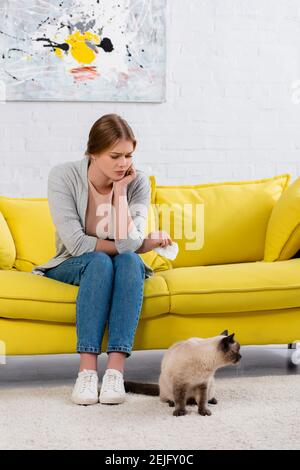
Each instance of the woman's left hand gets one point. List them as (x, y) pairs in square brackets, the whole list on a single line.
[(129, 176)]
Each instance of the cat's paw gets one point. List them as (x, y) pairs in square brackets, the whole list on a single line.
[(213, 401), (171, 403), (191, 401), (204, 412), (180, 412)]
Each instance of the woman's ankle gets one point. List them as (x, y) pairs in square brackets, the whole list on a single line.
[(116, 360), (88, 361)]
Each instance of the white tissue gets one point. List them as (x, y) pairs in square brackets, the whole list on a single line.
[(169, 251)]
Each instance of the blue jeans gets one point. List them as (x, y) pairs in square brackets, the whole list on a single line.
[(111, 289)]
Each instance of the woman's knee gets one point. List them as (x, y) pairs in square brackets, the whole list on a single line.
[(131, 259), (101, 261)]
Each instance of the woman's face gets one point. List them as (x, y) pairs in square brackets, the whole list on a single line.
[(116, 159)]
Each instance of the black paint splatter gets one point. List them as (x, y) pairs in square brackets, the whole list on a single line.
[(39, 25), (15, 78), (106, 45), (62, 25), (9, 35), (20, 50), (128, 53), (64, 46)]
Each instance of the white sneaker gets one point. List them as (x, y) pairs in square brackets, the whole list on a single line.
[(85, 391), (112, 388)]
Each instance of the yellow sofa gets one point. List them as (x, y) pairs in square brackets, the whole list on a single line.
[(243, 275)]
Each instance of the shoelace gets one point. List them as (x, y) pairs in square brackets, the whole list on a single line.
[(112, 381), (87, 382)]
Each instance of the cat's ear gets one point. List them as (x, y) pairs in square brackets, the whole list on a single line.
[(224, 333), (225, 342), (230, 338)]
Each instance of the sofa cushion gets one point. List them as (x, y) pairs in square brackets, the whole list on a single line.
[(283, 231), (29, 296), (232, 226), (31, 226), (234, 288), (7, 246)]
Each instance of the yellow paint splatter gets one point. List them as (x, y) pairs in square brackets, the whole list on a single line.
[(58, 52), (78, 48)]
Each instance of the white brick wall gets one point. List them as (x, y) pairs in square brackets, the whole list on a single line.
[(229, 113)]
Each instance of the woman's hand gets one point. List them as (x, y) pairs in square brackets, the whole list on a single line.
[(153, 240), (129, 176)]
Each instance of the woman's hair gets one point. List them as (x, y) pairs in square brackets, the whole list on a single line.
[(105, 133)]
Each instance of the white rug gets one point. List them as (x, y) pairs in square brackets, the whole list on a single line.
[(252, 413)]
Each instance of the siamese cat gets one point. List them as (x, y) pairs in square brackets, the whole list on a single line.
[(187, 372)]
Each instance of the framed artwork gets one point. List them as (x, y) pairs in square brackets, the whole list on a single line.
[(83, 50)]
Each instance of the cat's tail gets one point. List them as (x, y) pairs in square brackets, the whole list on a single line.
[(141, 388)]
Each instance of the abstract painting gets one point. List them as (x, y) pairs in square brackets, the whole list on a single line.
[(83, 50)]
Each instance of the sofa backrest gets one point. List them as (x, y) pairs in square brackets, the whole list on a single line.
[(235, 220), (228, 220)]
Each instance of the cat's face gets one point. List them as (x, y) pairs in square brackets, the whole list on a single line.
[(229, 349)]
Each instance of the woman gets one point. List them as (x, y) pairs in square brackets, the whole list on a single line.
[(100, 253)]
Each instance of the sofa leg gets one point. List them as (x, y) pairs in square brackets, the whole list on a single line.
[(294, 359)]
